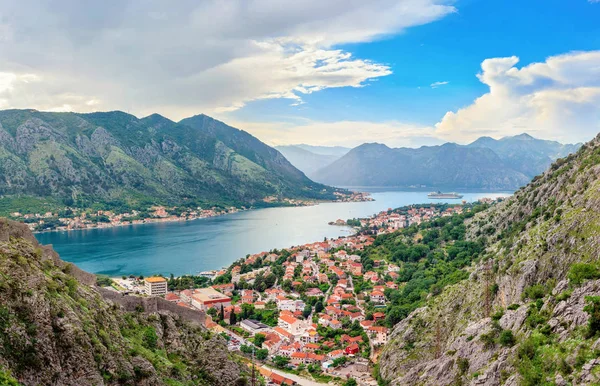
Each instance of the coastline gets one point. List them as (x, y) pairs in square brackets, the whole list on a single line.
[(153, 220)]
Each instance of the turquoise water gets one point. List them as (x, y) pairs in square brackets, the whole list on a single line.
[(212, 243)]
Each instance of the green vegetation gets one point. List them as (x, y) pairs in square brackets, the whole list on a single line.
[(580, 272), (431, 256)]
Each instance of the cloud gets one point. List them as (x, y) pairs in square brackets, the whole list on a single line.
[(342, 133), (556, 99), (187, 57), (438, 84)]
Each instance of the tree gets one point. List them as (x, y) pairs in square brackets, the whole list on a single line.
[(350, 382), (281, 361), (222, 314), (307, 310), (259, 339), (232, 318), (261, 354), (319, 306)]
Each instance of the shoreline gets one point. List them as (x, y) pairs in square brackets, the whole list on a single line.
[(175, 220)]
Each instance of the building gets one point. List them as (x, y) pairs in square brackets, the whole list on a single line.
[(254, 326), (205, 298), (155, 286)]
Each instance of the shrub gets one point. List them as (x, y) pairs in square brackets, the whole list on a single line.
[(534, 292), (498, 315), (583, 271), (150, 338), (593, 308), (506, 339), (463, 365), (513, 307)]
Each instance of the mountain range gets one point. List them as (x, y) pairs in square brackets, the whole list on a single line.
[(118, 159), (310, 158), (487, 163)]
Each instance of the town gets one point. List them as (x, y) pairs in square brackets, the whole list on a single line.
[(69, 218), (315, 310)]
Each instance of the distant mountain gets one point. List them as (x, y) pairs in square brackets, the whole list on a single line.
[(529, 155), (116, 158), (309, 158), (484, 164)]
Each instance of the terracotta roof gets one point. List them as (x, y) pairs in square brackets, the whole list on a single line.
[(155, 279)]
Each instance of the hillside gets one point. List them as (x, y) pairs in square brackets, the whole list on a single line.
[(527, 310), (120, 160), (487, 163), (56, 328), (309, 159), (529, 155)]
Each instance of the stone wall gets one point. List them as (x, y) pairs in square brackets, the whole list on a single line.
[(152, 304)]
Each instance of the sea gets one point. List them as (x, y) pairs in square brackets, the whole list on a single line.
[(190, 247)]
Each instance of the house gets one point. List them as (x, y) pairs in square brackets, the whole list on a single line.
[(310, 336), (291, 324), (371, 276), (272, 342), (172, 297), (224, 288), (247, 297), (260, 305), (298, 358), (378, 316), (186, 296), (335, 354), (352, 349), (377, 297), (378, 334), (335, 324), (155, 286), (254, 326), (205, 298), (283, 334), (290, 305), (313, 292)]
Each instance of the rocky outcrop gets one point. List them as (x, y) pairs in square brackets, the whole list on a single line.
[(57, 329), (539, 329)]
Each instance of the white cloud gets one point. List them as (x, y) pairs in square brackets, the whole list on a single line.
[(187, 57), (438, 84), (557, 99), (342, 133)]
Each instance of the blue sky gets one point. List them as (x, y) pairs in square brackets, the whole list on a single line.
[(336, 72), (448, 50)]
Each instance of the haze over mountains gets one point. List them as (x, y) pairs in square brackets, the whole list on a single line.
[(114, 157), (487, 163), (310, 158)]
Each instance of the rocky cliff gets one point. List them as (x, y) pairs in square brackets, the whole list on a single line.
[(529, 312), (57, 329)]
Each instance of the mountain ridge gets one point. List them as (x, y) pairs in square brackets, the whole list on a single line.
[(503, 164), (79, 158)]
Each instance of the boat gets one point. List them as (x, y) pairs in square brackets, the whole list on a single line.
[(438, 194)]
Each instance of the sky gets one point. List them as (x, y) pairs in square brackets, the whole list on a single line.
[(335, 72)]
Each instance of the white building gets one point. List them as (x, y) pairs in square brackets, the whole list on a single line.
[(155, 286)]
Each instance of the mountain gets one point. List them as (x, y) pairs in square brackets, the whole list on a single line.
[(524, 309), (58, 328), (114, 157), (444, 167), (309, 158), (484, 164), (529, 155)]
